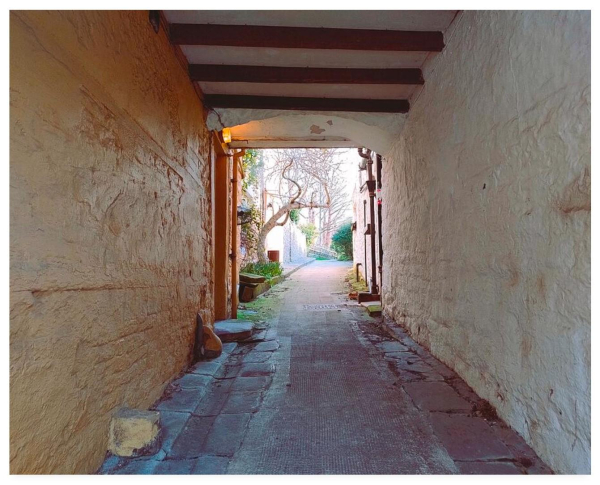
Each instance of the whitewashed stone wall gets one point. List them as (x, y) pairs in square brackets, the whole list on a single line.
[(358, 237), (288, 240), (294, 243), (362, 217), (487, 221)]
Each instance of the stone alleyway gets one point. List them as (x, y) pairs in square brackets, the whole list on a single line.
[(326, 390)]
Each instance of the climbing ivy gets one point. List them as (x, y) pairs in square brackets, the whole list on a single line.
[(295, 215), (251, 165)]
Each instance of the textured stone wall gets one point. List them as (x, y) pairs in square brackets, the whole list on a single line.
[(358, 216), (359, 242), (110, 229), (487, 221), (294, 243)]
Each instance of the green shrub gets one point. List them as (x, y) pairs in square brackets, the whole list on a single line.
[(295, 216), (310, 232), (269, 270), (341, 242)]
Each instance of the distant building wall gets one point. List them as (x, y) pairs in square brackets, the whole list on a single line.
[(294, 243), (288, 240), (362, 216)]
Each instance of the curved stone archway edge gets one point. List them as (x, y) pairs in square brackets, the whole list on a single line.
[(253, 128)]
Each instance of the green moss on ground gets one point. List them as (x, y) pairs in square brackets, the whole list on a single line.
[(355, 285), (263, 309)]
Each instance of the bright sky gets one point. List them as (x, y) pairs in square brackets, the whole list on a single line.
[(349, 172), (351, 158)]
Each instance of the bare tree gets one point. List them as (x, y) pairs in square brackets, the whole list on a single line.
[(301, 176), (335, 213)]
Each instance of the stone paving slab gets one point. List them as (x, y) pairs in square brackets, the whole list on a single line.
[(211, 465), (229, 347), (257, 369), (267, 335), (227, 434), (190, 442), (391, 346), (464, 390), (397, 355), (192, 381), (172, 423), (488, 468), (468, 438), (135, 467), (242, 402), (520, 449), (269, 346), (227, 372), (174, 467), (257, 357), (441, 369), (436, 396), (221, 359), (233, 330), (182, 400), (250, 383), (206, 367), (257, 336), (407, 358), (414, 369), (214, 399)]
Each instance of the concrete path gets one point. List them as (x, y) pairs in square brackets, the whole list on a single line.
[(326, 390), (293, 266)]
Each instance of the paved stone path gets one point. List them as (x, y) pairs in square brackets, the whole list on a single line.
[(292, 267), (327, 390)]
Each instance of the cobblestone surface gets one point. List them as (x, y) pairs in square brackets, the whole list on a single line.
[(327, 391)]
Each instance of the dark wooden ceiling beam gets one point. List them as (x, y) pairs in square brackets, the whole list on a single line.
[(268, 74), (305, 37), (307, 104)]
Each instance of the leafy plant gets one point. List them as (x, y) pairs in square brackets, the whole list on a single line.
[(250, 164), (269, 269), (310, 232), (295, 215), (341, 242)]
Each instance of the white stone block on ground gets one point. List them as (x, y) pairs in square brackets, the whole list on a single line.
[(134, 432)]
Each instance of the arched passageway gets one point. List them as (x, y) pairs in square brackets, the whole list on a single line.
[(118, 163)]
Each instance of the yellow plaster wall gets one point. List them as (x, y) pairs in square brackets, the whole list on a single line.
[(110, 228)]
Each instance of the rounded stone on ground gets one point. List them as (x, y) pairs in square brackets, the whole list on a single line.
[(213, 345)]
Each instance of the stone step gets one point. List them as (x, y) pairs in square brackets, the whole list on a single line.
[(373, 307), (364, 296), (233, 330)]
